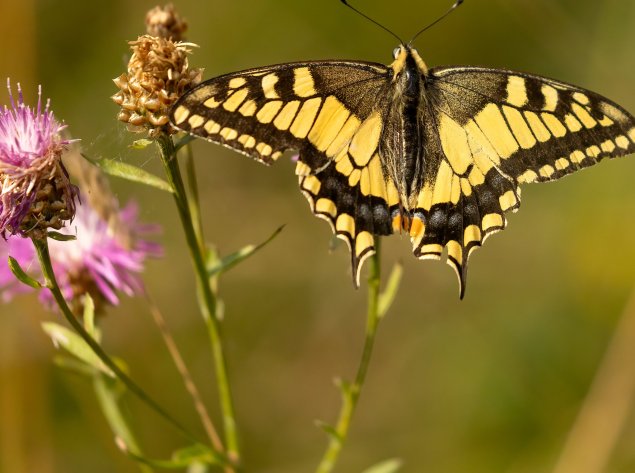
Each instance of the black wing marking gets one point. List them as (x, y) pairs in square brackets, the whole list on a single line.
[(328, 111), (491, 130), (558, 128)]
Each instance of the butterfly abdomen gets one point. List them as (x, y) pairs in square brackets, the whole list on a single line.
[(414, 158), (402, 145)]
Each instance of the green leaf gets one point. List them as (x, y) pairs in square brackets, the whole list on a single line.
[(75, 345), (196, 453), (141, 144), (388, 466), (89, 316), (130, 172), (329, 429), (61, 236), (197, 468), (183, 458), (387, 297), (229, 261), (73, 365), (108, 392), (19, 273)]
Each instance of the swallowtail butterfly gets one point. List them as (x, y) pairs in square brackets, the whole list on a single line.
[(436, 153)]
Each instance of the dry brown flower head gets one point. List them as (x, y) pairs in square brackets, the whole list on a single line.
[(158, 74)]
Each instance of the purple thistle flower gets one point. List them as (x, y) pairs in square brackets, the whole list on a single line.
[(100, 262), (31, 170)]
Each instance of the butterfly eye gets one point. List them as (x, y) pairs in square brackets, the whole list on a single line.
[(396, 51)]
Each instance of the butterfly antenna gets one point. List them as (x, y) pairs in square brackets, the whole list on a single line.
[(345, 2), (456, 4)]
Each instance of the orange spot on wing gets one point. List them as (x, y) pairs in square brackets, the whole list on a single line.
[(401, 223)]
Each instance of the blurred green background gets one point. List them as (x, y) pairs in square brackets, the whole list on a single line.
[(489, 384)]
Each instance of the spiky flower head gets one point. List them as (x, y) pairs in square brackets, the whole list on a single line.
[(102, 261), (36, 193), (158, 74), (165, 22)]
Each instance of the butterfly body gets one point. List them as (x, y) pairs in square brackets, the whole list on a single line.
[(436, 154), (402, 145)]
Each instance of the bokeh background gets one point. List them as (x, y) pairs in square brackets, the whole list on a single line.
[(489, 384)]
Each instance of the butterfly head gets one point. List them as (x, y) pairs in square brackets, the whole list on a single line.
[(407, 62)]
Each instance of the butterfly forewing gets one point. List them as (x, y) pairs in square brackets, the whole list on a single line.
[(330, 113), (542, 129)]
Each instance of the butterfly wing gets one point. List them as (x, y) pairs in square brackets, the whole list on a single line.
[(330, 113), (489, 131)]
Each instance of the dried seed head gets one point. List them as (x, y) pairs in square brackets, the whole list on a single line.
[(53, 205), (165, 22), (158, 74)]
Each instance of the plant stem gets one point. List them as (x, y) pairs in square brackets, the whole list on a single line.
[(168, 157), (350, 394), (193, 201), (41, 247), (181, 367), (605, 411)]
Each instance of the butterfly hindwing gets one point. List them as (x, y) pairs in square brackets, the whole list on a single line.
[(491, 130), (327, 112)]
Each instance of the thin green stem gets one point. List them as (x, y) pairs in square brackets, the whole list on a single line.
[(193, 201), (168, 157), (41, 247), (350, 394), (181, 367)]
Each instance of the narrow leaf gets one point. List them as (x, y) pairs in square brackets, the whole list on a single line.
[(130, 172), (180, 459), (108, 393), (388, 466), (75, 345), (229, 261), (196, 453), (197, 468), (19, 273), (73, 365), (108, 396), (89, 316), (61, 236), (329, 429), (387, 297)]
